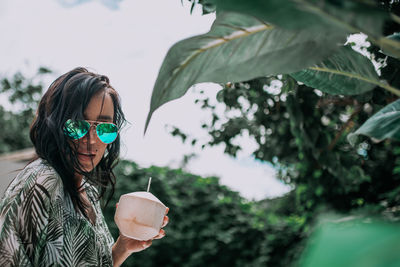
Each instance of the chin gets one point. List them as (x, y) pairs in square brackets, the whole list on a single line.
[(88, 169), (88, 163), (88, 166)]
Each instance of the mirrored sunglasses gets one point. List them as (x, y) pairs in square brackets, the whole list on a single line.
[(76, 129)]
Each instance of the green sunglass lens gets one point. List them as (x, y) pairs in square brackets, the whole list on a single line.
[(107, 132), (76, 129)]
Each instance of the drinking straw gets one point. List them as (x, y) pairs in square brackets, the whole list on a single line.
[(148, 185)]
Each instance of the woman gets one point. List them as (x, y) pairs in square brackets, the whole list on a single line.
[(50, 214)]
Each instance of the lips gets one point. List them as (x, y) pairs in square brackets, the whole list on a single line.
[(86, 156)]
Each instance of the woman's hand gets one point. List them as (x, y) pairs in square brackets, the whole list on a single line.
[(133, 245), (125, 246)]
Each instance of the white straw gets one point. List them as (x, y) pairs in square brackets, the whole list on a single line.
[(148, 185)]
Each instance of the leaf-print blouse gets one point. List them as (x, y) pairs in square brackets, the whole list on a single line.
[(39, 225)]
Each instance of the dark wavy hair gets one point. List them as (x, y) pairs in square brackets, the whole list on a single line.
[(67, 98)]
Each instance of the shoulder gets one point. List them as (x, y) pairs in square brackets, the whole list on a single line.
[(38, 176), (28, 206), (29, 199)]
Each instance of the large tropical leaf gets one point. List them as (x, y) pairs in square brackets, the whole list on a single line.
[(347, 16), (383, 124), (346, 73), (237, 48), (344, 16), (391, 45), (353, 243)]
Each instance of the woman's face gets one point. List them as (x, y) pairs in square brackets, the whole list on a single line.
[(90, 149)]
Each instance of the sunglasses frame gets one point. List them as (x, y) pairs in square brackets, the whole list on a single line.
[(91, 124)]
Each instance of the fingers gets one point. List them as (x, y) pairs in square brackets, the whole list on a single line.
[(146, 244), (165, 221), (160, 235), (116, 205), (166, 218)]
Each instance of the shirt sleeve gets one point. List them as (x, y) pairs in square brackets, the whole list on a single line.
[(25, 221)]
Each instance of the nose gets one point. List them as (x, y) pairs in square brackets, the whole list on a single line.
[(91, 136)]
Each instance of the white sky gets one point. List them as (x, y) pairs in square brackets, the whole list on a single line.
[(128, 45)]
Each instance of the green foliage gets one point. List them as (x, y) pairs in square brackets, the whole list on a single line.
[(300, 123), (206, 6), (238, 47), (24, 95), (344, 73), (391, 45), (393, 40), (327, 16), (383, 124), (355, 243), (303, 133)]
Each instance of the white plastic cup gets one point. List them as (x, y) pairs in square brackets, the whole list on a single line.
[(139, 215)]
